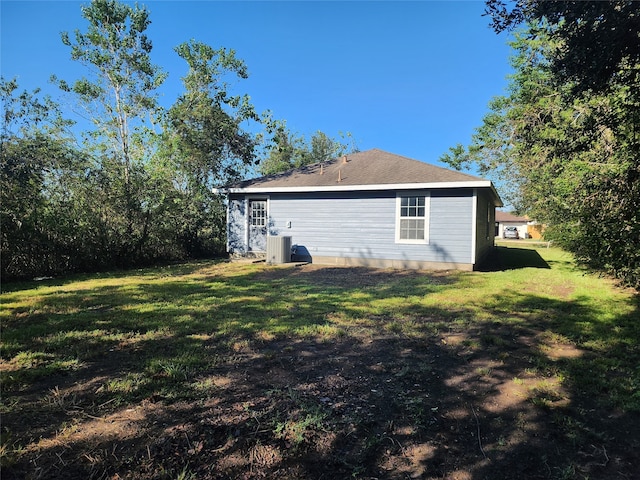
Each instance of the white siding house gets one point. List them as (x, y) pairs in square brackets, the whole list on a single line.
[(505, 219)]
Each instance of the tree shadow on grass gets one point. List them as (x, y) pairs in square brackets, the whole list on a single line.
[(395, 395), (507, 258)]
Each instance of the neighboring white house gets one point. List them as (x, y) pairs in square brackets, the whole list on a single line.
[(369, 208), (526, 228)]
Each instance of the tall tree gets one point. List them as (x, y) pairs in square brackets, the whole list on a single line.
[(208, 143), (323, 148), (121, 93), (595, 50), (120, 100), (571, 153), (208, 120)]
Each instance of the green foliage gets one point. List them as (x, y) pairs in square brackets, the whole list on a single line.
[(138, 187), (301, 417), (38, 168), (597, 41), (206, 144), (286, 152), (566, 155), (289, 150), (127, 195), (120, 99), (120, 93), (206, 107)]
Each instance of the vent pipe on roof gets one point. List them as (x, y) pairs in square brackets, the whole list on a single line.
[(339, 176), (344, 159), (321, 169)]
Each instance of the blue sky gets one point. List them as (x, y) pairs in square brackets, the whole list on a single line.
[(412, 78)]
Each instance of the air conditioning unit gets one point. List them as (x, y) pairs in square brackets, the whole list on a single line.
[(278, 249)]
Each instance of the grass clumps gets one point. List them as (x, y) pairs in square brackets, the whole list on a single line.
[(255, 371)]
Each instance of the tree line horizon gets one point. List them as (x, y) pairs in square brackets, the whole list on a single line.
[(137, 187)]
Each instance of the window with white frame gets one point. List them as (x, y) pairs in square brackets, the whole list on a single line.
[(258, 216), (412, 219)]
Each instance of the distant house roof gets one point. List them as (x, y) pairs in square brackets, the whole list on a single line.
[(509, 217), (370, 170)]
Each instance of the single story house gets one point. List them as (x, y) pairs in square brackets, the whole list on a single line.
[(370, 208), (526, 227)]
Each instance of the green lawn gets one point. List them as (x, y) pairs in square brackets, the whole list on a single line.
[(534, 342)]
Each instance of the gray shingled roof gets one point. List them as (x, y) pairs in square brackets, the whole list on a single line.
[(372, 167), (509, 217)]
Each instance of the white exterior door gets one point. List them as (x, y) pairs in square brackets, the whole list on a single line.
[(258, 222)]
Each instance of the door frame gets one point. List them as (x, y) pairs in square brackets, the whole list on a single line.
[(248, 199)]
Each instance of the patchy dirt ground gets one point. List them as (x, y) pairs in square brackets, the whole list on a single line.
[(455, 404)]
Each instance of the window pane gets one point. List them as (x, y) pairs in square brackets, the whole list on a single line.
[(258, 214), (412, 229), (412, 206)]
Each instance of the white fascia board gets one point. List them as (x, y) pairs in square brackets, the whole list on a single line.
[(474, 226), (361, 188)]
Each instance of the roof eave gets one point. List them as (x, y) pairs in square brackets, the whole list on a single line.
[(497, 200), (361, 188)]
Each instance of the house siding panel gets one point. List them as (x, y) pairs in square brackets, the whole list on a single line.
[(451, 224), (362, 225), (337, 225)]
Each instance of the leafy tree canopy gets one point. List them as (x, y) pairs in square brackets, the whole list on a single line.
[(138, 188), (292, 151), (564, 139), (597, 41)]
